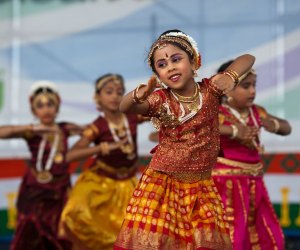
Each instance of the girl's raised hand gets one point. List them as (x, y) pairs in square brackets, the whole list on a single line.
[(149, 88), (223, 82)]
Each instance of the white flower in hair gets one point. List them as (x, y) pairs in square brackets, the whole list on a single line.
[(43, 84), (189, 38)]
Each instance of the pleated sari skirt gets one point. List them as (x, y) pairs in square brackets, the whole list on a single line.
[(95, 211), (165, 213)]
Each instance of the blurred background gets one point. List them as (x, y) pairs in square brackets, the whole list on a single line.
[(72, 42)]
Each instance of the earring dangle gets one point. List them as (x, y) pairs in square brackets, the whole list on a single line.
[(229, 99), (160, 83), (195, 73)]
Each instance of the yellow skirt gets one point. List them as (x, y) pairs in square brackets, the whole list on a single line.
[(95, 211)]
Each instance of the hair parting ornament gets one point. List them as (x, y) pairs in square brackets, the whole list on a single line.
[(251, 71), (185, 41), (43, 91), (109, 78)]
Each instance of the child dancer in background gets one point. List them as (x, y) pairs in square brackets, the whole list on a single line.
[(176, 205), (95, 210), (239, 173), (45, 184)]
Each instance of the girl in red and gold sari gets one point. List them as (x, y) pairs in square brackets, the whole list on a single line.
[(44, 187), (238, 174), (96, 207), (175, 204)]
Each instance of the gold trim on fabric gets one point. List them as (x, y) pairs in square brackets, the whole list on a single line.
[(137, 239), (190, 177), (229, 208), (270, 233), (120, 172), (241, 168), (242, 199), (254, 237)]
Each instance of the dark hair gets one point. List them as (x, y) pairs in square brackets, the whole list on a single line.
[(224, 66), (42, 90), (108, 76), (191, 57)]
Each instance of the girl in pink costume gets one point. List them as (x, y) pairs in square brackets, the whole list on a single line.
[(238, 174)]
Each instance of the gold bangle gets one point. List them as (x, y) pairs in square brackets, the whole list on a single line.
[(135, 95), (234, 131), (276, 125), (233, 75)]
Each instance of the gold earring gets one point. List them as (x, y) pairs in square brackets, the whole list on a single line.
[(229, 99), (195, 73), (160, 83)]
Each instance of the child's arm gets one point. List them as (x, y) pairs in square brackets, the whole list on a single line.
[(238, 131), (18, 131), (276, 125), (240, 65), (75, 129), (14, 131), (135, 101), (82, 150)]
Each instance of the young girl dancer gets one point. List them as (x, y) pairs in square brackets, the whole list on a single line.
[(95, 210), (176, 205), (239, 172), (45, 184)]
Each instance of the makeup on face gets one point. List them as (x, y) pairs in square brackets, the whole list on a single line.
[(161, 63)]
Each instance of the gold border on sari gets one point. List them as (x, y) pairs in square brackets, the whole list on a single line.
[(119, 173), (239, 168)]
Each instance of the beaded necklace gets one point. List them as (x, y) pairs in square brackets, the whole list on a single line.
[(237, 115), (127, 148), (44, 175)]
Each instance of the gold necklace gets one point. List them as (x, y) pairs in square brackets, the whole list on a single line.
[(188, 99), (194, 106), (122, 130)]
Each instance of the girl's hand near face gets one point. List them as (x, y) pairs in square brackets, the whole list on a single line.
[(128, 104), (149, 88)]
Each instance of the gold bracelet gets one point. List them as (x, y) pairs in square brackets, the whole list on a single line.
[(276, 125), (233, 75), (135, 96), (234, 131)]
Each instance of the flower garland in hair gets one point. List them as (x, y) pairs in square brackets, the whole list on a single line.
[(192, 42), (187, 37)]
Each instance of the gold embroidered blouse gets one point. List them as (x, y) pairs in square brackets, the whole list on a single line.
[(192, 146)]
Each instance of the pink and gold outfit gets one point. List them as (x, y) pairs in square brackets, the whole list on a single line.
[(238, 176), (176, 204)]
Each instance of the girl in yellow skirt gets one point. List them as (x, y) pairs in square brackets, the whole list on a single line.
[(175, 204), (96, 207)]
